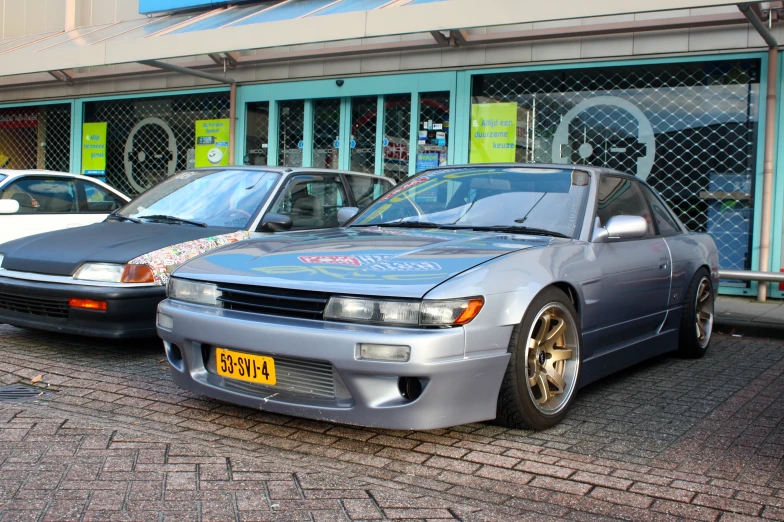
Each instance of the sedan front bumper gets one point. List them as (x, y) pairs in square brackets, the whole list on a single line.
[(312, 355), (44, 306)]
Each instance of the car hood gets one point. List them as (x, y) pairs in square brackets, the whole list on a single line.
[(62, 252), (359, 261)]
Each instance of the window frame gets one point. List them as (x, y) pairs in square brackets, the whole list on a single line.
[(81, 193), (380, 179), (36, 177), (650, 193), (633, 180), (286, 182)]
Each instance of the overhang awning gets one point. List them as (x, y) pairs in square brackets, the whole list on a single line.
[(280, 23)]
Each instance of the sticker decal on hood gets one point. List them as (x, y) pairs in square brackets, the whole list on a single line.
[(166, 259)]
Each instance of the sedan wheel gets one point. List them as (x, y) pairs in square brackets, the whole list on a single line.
[(544, 367), (697, 318)]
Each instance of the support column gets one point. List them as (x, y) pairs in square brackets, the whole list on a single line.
[(232, 122), (767, 169)]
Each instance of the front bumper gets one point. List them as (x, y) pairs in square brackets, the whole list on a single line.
[(455, 389), (44, 306)]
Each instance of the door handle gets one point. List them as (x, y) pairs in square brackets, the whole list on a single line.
[(663, 262)]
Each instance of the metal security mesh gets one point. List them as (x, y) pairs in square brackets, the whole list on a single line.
[(364, 116), (434, 127), (689, 129), (149, 139), (36, 137), (257, 134), (397, 130), (292, 126), (326, 131)]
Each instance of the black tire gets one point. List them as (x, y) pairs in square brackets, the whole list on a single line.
[(517, 406), (690, 342)]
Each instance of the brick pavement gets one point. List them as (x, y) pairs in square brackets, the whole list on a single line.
[(667, 440)]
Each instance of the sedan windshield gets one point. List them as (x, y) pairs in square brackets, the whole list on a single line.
[(541, 201), (227, 198)]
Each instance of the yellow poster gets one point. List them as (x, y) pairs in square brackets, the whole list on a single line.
[(212, 143), (493, 132)]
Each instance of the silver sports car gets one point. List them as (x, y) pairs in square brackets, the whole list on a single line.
[(465, 294)]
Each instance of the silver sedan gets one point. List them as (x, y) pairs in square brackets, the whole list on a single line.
[(465, 294)]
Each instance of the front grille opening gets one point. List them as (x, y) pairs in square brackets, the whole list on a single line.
[(33, 305), (274, 301), (410, 387)]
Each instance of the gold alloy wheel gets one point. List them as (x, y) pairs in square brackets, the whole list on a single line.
[(552, 358), (703, 312)]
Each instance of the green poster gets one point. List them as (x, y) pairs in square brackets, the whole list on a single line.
[(493, 132), (212, 143), (94, 148)]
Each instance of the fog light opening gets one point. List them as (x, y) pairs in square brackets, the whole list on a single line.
[(165, 321), (410, 387), (173, 353)]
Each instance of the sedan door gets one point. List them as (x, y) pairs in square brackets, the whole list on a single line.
[(46, 203), (636, 273)]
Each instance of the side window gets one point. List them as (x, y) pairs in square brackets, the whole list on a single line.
[(99, 200), (367, 189), (665, 222), (312, 201), (622, 197), (43, 195)]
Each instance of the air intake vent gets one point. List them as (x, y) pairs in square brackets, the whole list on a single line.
[(274, 301)]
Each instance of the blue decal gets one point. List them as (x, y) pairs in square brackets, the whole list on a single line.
[(353, 144), (336, 144), (301, 144), (386, 142)]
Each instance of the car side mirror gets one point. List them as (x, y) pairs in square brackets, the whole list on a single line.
[(275, 223), (619, 228), (345, 214), (9, 206)]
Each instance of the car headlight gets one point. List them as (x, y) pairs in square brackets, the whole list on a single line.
[(193, 292), (113, 273), (452, 312)]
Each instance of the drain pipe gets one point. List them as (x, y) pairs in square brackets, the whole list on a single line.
[(770, 143), (232, 121)]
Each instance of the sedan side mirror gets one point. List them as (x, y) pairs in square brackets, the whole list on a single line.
[(619, 228), (275, 223), (9, 206), (345, 214)]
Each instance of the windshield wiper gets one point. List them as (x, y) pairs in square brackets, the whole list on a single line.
[(175, 219), (404, 224), (518, 230), (120, 217)]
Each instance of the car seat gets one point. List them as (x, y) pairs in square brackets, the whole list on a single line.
[(307, 211)]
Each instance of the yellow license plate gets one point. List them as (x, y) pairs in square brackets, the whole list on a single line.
[(245, 366)]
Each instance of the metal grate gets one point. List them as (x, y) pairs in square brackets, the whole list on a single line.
[(274, 301), (33, 305), (326, 131), (689, 129), (257, 134), (20, 392), (432, 148), (36, 137), (292, 125), (364, 115), (397, 132), (149, 139), (298, 377)]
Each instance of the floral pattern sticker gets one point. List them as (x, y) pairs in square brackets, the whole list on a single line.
[(164, 260)]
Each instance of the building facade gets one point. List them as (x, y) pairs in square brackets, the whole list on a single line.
[(677, 96)]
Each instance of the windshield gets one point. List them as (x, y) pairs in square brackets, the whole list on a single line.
[(227, 198), (532, 198)]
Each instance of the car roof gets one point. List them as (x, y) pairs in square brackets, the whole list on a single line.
[(14, 173), (294, 170), (601, 171)]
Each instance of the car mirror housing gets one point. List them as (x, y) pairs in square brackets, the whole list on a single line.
[(9, 206), (620, 228), (275, 223), (346, 213)]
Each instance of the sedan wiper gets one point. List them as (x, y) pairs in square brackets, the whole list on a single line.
[(404, 224), (175, 219), (519, 230), (120, 217)]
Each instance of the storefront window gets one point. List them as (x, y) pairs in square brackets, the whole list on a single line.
[(688, 129), (149, 139), (292, 133), (36, 137), (364, 118), (257, 134), (326, 133), (397, 132), (433, 133)]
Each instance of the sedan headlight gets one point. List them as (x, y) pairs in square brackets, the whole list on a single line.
[(112, 273), (193, 292), (453, 312)]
